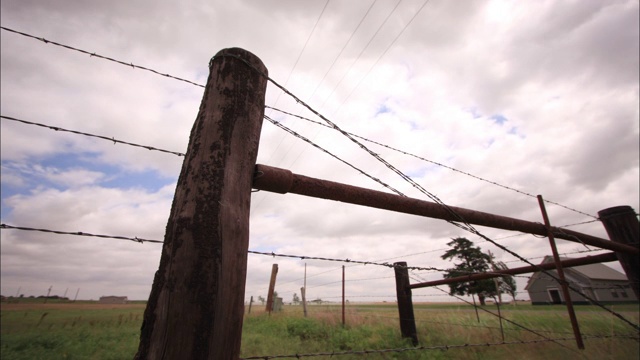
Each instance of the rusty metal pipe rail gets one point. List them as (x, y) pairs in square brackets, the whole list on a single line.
[(283, 181), (608, 257)]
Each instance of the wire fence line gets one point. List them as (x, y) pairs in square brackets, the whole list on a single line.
[(271, 254), (134, 66), (290, 131), (79, 233), (440, 164), (462, 223), (459, 222), (102, 137), (93, 54)]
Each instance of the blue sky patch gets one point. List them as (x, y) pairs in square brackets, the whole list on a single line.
[(499, 119)]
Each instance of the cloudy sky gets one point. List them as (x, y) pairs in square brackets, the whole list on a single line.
[(539, 96)]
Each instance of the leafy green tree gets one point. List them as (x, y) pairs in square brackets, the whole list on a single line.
[(471, 260), (507, 283), (296, 299)]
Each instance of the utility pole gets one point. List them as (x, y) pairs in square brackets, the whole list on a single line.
[(196, 306)]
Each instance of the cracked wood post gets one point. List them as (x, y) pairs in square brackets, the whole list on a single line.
[(405, 304), (196, 305), (621, 223)]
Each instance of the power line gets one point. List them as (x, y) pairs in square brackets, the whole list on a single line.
[(363, 50), (343, 48), (294, 67)]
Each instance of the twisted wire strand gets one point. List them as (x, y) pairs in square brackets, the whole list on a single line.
[(79, 233), (93, 54), (442, 165), (102, 137)]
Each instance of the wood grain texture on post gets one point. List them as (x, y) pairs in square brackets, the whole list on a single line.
[(196, 305)]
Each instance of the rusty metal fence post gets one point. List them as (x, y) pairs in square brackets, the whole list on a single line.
[(196, 306)]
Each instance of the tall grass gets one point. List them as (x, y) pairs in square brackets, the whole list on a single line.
[(77, 332)]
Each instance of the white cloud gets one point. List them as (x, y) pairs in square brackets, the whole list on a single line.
[(564, 75)]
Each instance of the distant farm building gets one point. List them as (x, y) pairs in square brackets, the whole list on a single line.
[(597, 281), (113, 300)]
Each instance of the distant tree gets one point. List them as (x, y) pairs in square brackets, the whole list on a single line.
[(296, 299), (261, 299), (507, 283), (471, 260)]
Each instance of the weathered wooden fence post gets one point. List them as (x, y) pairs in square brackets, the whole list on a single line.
[(272, 286), (304, 301), (196, 305), (343, 318), (622, 226), (405, 304)]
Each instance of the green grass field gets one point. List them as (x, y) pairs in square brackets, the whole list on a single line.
[(92, 331)]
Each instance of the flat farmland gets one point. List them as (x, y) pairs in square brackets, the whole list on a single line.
[(88, 330)]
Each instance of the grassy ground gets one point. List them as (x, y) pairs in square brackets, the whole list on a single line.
[(91, 331)]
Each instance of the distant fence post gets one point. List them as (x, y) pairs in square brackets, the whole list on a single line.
[(304, 300), (343, 319), (405, 304), (272, 286), (622, 226), (196, 305)]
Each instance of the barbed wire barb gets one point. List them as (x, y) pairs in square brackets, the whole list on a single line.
[(102, 137)]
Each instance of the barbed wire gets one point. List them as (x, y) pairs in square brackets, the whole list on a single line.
[(465, 225), (272, 254), (102, 137), (498, 316), (565, 253), (441, 165), (93, 54), (350, 261), (290, 131), (460, 222), (134, 66), (79, 233), (349, 280)]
